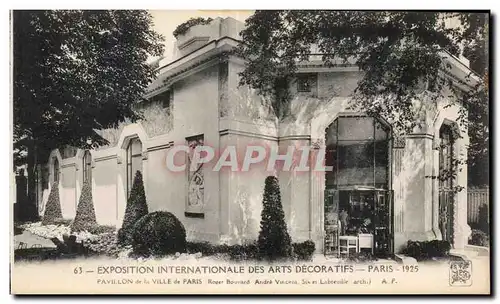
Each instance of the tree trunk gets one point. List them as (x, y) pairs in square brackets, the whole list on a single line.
[(31, 211)]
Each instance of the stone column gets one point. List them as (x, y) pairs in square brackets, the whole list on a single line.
[(461, 228), (417, 184), (398, 152), (435, 192), (317, 199)]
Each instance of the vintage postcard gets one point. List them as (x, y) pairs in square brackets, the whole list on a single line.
[(250, 152)]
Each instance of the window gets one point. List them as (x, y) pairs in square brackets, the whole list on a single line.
[(306, 82), (87, 166), (358, 150), (56, 169), (358, 201), (134, 161), (446, 156)]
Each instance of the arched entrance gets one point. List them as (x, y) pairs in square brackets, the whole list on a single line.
[(87, 167), (358, 200), (446, 193)]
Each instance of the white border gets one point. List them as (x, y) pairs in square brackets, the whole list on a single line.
[(6, 108)]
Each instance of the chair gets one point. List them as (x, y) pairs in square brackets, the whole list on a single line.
[(331, 238), (348, 244), (365, 240)]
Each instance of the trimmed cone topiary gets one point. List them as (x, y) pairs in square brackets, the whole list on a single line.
[(157, 234), (274, 242), (137, 207), (85, 218), (53, 211)]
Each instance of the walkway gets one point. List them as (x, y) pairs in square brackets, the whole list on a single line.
[(31, 239)]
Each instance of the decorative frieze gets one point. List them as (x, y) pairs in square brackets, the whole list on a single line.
[(399, 143), (196, 180), (317, 143)]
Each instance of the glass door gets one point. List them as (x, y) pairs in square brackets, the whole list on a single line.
[(331, 221), (384, 232)]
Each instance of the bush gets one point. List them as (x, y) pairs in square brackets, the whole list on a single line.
[(105, 244), (158, 233), (102, 229), (479, 238), (304, 251), (182, 28), (427, 250), (205, 248), (244, 252), (235, 252), (53, 211), (274, 241), (62, 222), (137, 207), (85, 213)]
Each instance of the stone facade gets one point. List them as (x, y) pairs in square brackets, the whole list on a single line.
[(208, 107)]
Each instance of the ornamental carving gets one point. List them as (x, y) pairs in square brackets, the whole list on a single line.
[(196, 180), (399, 143), (317, 143)]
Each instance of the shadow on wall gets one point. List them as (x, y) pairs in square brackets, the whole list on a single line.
[(245, 219)]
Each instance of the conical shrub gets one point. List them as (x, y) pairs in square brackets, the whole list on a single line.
[(137, 207), (85, 213), (274, 242), (53, 211)]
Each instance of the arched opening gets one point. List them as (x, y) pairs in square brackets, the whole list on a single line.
[(55, 166), (134, 161), (446, 173), (358, 201), (87, 167)]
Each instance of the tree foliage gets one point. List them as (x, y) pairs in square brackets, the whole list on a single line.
[(137, 207), (85, 218), (401, 56), (274, 242), (53, 212), (78, 71), (75, 72)]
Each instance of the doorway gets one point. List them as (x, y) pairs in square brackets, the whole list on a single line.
[(364, 216), (358, 201)]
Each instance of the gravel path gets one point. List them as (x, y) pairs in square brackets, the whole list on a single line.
[(30, 239)]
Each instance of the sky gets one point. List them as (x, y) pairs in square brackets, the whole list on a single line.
[(165, 21)]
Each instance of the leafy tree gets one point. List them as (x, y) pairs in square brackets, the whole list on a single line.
[(274, 242), (137, 207), (476, 50), (53, 211), (400, 55), (75, 72), (85, 218)]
